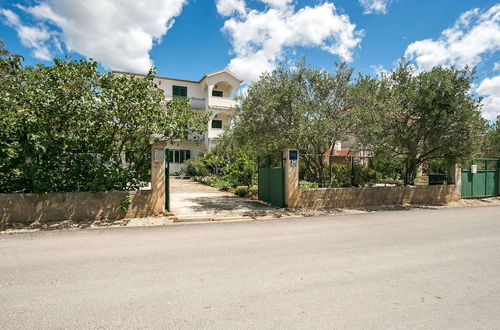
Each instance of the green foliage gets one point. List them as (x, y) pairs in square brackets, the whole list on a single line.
[(180, 172), (419, 116), (125, 203), (241, 191), (390, 168), (196, 167), (296, 106), (240, 168), (236, 167), (254, 190), (66, 127), (491, 144), (307, 185), (221, 185)]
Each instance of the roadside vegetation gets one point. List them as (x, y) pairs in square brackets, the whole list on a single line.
[(408, 124), (68, 127)]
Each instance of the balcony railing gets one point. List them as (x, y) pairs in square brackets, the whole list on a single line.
[(214, 133), (222, 102), (197, 103)]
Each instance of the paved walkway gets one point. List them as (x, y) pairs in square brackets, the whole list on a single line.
[(191, 201)]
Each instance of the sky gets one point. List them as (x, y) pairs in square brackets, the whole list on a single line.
[(189, 38)]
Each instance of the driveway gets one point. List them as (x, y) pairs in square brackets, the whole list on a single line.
[(191, 201), (426, 269)]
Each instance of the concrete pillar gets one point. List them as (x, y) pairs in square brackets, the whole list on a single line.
[(291, 172), (158, 177), (455, 177)]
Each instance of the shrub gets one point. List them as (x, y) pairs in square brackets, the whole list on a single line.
[(196, 167), (241, 191), (125, 203), (254, 190), (221, 185)]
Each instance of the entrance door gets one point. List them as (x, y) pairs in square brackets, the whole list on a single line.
[(272, 180)]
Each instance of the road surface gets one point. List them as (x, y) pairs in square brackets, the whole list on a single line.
[(428, 269)]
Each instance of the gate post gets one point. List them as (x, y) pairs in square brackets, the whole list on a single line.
[(158, 177), (455, 178), (291, 176)]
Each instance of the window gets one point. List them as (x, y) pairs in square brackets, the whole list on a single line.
[(216, 123), (179, 91), (217, 93), (178, 156)]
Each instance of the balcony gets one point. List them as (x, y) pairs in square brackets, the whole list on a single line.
[(197, 103), (214, 133), (195, 137), (222, 102)]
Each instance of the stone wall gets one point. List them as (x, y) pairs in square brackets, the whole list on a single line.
[(362, 197), (77, 206)]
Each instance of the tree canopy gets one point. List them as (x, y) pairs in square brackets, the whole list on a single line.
[(68, 127), (419, 116)]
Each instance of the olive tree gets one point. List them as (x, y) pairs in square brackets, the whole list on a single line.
[(297, 106), (419, 116)]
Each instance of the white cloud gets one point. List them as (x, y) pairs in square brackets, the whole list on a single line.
[(473, 35), (260, 38), (117, 33), (277, 3), (496, 66), (374, 6), (35, 38), (490, 89), (379, 69), (228, 7)]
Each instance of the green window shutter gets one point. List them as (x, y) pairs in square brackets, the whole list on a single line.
[(179, 91), (216, 123), (217, 93)]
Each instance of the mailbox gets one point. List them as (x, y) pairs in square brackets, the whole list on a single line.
[(159, 155), (473, 169)]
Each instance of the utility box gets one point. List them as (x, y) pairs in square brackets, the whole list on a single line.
[(473, 169)]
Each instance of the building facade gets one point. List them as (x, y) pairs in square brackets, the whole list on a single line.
[(216, 94)]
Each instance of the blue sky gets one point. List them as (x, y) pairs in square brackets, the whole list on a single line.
[(188, 38)]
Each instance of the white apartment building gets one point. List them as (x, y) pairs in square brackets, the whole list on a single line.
[(215, 93)]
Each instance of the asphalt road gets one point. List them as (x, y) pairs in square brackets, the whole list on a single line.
[(423, 269)]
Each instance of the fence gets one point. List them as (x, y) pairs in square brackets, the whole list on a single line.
[(321, 171)]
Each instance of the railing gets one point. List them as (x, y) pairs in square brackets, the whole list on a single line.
[(195, 102), (215, 133), (222, 102), (195, 137)]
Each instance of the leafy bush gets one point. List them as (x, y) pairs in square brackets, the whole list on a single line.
[(180, 172), (196, 167), (125, 203), (241, 191), (221, 185), (241, 169), (68, 127), (307, 185), (254, 190)]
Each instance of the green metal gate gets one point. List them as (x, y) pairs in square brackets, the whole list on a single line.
[(483, 183), (272, 180), (167, 179)]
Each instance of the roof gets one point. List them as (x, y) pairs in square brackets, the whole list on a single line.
[(185, 80), (221, 71)]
